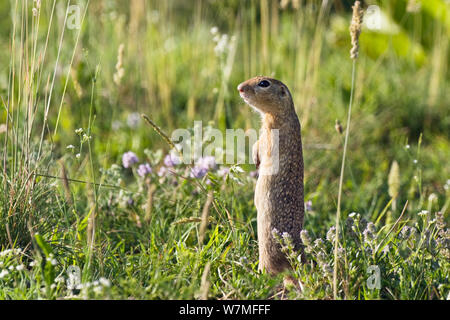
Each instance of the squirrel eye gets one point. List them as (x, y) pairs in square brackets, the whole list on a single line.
[(264, 83)]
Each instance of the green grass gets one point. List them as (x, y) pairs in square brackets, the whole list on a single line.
[(134, 237)]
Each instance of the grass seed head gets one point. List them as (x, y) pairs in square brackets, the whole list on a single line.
[(355, 29)]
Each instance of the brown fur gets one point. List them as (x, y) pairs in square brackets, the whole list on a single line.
[(279, 196)]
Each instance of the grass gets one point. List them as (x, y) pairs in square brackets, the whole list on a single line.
[(75, 223)]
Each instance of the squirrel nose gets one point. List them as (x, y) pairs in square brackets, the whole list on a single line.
[(241, 87)]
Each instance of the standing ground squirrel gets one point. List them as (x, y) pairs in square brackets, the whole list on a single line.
[(278, 194)]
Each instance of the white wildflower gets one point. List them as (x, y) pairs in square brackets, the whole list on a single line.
[(222, 44), (5, 252), (3, 273), (98, 289), (214, 30), (423, 213), (105, 282)]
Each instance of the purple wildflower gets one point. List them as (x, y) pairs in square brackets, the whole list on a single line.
[(309, 205), (162, 171), (208, 162), (129, 158), (171, 160), (254, 174), (198, 172), (133, 119), (223, 171), (144, 169)]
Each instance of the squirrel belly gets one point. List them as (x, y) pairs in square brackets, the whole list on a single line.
[(279, 194)]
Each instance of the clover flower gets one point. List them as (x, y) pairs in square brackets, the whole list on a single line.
[(198, 172), (133, 120), (171, 160), (254, 174), (222, 172), (308, 205), (208, 162), (162, 171), (129, 158), (144, 169), (116, 125)]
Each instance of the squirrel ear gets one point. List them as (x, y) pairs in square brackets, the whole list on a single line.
[(282, 91)]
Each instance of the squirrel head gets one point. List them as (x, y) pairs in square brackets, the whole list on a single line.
[(267, 95)]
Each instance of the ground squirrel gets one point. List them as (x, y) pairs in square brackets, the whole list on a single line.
[(278, 195)]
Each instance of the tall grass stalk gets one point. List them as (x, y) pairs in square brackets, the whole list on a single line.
[(92, 221), (355, 30), (341, 179)]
